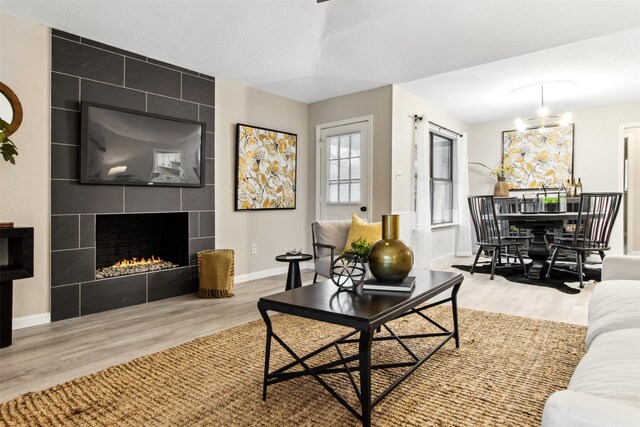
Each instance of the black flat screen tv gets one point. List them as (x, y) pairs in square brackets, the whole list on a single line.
[(126, 147)]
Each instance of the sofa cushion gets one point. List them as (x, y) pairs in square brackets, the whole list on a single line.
[(568, 408), (360, 229), (615, 304), (331, 233), (611, 368)]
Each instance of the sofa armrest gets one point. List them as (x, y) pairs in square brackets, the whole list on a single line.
[(617, 267), (322, 245), (569, 408)]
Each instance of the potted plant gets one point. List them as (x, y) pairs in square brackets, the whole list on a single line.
[(501, 188), (7, 148), (359, 248)]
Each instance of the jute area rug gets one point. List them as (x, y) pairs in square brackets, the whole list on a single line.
[(502, 374)]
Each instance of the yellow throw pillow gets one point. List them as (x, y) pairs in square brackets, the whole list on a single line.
[(359, 228)]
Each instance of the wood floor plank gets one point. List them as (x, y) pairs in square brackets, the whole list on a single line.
[(46, 355)]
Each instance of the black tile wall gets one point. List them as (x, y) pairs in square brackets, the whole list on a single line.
[(171, 283), (65, 126), (87, 231), (198, 90), (113, 95), (64, 161), (207, 224), (194, 224), (154, 199), (152, 78), (87, 70), (172, 107), (65, 302), (65, 91), (101, 295), (69, 197), (74, 58), (65, 232), (198, 199), (72, 266)]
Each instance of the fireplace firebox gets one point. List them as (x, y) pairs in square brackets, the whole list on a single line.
[(140, 243)]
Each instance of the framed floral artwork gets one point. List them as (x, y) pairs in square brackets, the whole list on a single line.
[(535, 157), (266, 162)]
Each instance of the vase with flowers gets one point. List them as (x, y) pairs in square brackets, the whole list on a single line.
[(501, 188)]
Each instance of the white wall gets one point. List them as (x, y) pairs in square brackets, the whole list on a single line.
[(375, 102), (274, 231), (405, 106), (597, 152), (633, 195), (25, 60)]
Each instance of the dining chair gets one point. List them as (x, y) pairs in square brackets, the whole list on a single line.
[(488, 234), (597, 213)]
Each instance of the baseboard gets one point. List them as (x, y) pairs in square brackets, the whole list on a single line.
[(31, 320), (268, 273), (443, 257)]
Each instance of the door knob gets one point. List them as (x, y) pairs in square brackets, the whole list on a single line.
[(363, 208)]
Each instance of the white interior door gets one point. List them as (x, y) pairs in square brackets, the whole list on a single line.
[(343, 170)]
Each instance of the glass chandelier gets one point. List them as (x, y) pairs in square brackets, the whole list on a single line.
[(543, 120)]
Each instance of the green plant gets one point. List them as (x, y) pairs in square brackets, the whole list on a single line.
[(359, 248), (499, 171), (7, 147)]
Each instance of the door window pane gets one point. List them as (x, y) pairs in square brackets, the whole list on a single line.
[(344, 168)]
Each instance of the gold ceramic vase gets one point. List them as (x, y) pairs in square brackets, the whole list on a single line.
[(390, 259), (501, 189)]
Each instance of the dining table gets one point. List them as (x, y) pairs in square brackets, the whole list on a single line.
[(539, 224)]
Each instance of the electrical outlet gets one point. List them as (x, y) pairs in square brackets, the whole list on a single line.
[(254, 248)]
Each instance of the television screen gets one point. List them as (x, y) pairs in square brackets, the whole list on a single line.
[(125, 147)]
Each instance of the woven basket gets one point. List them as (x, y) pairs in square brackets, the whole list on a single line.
[(206, 292)]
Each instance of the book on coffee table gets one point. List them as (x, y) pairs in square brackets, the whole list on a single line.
[(405, 286)]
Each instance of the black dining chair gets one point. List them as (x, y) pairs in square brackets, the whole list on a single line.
[(488, 233), (597, 213)]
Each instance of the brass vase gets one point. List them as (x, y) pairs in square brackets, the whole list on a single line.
[(390, 259), (501, 189)]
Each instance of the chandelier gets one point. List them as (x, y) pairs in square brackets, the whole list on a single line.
[(543, 120)]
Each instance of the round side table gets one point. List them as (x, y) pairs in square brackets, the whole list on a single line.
[(293, 276)]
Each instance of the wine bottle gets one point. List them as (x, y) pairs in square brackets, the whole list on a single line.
[(578, 190)]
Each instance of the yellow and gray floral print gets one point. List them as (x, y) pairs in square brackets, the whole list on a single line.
[(266, 169), (538, 158)]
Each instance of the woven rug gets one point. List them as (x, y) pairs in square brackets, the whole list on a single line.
[(502, 374)]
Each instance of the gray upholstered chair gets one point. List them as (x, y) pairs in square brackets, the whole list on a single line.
[(329, 239)]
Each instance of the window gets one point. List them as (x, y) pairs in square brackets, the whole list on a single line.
[(344, 168), (441, 179)]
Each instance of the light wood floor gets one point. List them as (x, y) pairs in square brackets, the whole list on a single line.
[(43, 356)]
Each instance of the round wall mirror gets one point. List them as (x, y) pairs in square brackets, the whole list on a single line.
[(10, 109)]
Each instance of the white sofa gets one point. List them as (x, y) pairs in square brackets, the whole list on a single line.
[(605, 387)]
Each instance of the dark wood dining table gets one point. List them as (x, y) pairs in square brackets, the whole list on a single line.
[(539, 224)]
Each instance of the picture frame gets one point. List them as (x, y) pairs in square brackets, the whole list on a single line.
[(266, 168), (534, 157)]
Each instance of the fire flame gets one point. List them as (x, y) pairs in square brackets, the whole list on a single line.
[(135, 261)]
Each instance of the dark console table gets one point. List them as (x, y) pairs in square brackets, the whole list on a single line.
[(365, 312), (16, 262)]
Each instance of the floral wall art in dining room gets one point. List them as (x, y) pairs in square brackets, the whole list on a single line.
[(265, 169), (538, 157)]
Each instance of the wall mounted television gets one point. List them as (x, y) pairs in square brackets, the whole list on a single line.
[(126, 147)]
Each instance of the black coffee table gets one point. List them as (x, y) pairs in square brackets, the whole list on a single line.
[(365, 312)]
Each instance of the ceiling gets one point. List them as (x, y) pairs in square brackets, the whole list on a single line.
[(463, 56)]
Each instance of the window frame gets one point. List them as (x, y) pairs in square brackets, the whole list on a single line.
[(450, 180)]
